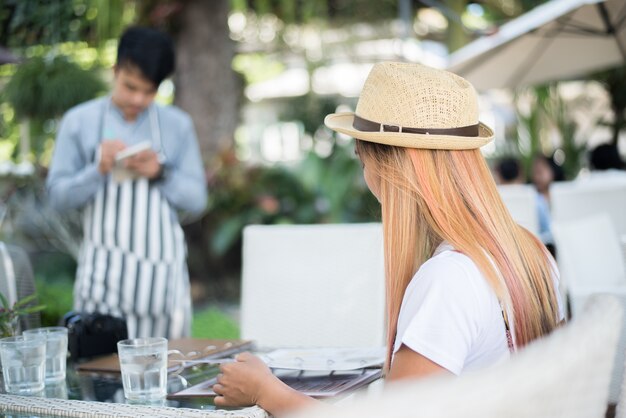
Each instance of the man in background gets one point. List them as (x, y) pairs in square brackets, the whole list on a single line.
[(132, 261)]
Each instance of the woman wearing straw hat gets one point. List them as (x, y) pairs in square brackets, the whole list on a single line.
[(466, 285)]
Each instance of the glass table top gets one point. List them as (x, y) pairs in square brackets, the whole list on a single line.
[(107, 388)]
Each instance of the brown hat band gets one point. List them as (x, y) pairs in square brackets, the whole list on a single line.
[(365, 125)]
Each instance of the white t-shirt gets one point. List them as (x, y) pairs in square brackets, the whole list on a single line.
[(452, 316)]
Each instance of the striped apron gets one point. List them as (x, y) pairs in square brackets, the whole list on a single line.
[(132, 259)]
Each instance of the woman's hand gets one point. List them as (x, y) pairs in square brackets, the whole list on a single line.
[(248, 381), (244, 381)]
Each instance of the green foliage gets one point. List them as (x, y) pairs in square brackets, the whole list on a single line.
[(110, 17), (614, 81), (305, 11), (58, 290), (32, 223), (546, 111), (9, 314), (531, 124), (44, 88), (309, 110), (257, 67), (337, 183), (213, 323), (8, 132), (29, 22), (26, 23), (317, 190), (253, 195), (207, 323), (561, 116)]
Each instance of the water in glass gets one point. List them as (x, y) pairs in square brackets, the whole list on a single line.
[(144, 369), (56, 350), (23, 365)]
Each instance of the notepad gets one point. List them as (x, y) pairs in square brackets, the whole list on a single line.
[(121, 173), (132, 150)]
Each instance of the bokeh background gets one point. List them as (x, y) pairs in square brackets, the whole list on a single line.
[(257, 77)]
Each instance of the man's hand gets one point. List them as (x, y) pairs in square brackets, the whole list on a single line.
[(108, 149), (145, 163)]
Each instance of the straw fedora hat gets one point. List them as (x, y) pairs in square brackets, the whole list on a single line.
[(414, 106)]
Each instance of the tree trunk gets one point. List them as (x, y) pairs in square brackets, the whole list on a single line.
[(456, 36), (24, 139), (206, 85)]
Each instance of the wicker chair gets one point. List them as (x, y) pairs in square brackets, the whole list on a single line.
[(563, 375), (16, 280), (13, 405)]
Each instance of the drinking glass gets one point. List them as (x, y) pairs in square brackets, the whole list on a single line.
[(143, 362), (56, 390), (56, 350), (23, 364)]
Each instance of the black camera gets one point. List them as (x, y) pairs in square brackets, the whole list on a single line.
[(93, 334)]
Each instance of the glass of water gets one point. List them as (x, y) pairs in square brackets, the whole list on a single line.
[(23, 364), (56, 350), (143, 362)]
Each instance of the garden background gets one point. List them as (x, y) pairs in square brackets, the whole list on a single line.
[(257, 77)]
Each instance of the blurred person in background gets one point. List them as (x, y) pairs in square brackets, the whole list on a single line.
[(605, 163), (606, 157), (509, 171), (544, 171), (132, 261)]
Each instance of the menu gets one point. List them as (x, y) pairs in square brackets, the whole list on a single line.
[(314, 384), (316, 372)]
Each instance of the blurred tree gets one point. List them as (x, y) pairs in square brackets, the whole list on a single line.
[(532, 128), (206, 85), (561, 116), (333, 10), (456, 35), (49, 22), (547, 125), (45, 88)]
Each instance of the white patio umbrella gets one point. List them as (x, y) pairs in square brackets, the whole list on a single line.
[(562, 39)]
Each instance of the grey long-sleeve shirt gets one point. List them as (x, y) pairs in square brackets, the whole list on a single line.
[(74, 179)]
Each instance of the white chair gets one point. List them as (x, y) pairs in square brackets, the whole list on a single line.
[(573, 200), (590, 261), (590, 258), (565, 374), (313, 285), (521, 201)]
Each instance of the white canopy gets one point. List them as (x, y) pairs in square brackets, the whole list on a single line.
[(562, 39)]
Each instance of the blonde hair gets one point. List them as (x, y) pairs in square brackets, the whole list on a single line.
[(430, 196)]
